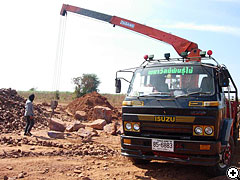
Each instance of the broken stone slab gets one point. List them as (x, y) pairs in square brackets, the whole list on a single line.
[(84, 132), (9, 167), (69, 113), (120, 130), (20, 175), (56, 134), (98, 124), (45, 171), (32, 148), (77, 171), (57, 125), (111, 128), (80, 115), (75, 126), (101, 112), (93, 131), (87, 133)]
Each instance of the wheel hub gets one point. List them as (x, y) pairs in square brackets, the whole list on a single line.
[(225, 157)]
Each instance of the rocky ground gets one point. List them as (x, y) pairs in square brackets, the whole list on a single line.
[(83, 151)]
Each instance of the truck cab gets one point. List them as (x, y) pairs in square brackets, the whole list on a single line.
[(180, 111)]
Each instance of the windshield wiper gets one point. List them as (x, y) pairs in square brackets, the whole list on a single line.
[(186, 95), (156, 94), (160, 93)]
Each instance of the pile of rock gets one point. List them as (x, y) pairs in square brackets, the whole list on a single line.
[(84, 130), (91, 110), (12, 108), (101, 124), (93, 106), (67, 149)]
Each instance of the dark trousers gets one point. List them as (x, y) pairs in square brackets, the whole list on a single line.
[(29, 125)]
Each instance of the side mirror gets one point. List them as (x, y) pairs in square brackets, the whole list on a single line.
[(118, 85), (223, 78)]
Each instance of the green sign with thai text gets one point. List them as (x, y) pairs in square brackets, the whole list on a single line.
[(172, 70)]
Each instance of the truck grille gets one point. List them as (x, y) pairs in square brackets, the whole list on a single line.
[(161, 129)]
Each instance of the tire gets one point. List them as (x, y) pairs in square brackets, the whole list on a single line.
[(139, 161), (236, 136), (225, 162)]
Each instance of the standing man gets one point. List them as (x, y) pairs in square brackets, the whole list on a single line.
[(29, 115)]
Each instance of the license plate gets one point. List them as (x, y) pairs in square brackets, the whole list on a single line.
[(163, 145), (167, 119)]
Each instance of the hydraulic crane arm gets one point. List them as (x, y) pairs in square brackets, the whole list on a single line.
[(180, 45)]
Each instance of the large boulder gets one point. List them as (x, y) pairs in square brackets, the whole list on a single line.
[(98, 124), (75, 126), (57, 125), (101, 112), (87, 132), (80, 115), (111, 128), (84, 133)]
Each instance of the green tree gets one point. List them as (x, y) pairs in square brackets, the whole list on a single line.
[(86, 83), (33, 89)]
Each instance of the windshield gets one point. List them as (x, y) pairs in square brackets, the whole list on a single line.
[(172, 81)]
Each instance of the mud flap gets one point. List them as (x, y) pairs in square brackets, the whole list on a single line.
[(226, 131)]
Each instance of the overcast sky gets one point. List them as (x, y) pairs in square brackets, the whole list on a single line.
[(29, 38)]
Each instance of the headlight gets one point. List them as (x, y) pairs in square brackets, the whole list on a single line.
[(198, 130), (136, 127), (128, 126), (208, 130), (203, 130)]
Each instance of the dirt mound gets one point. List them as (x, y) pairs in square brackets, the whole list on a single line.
[(12, 107), (87, 103)]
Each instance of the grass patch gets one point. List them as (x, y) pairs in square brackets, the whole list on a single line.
[(67, 97), (48, 96)]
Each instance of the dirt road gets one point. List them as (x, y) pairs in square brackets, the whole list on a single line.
[(40, 157)]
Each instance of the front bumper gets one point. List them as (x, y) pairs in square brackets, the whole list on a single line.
[(185, 151)]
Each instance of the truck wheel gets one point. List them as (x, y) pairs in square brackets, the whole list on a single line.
[(139, 161), (236, 136), (226, 158)]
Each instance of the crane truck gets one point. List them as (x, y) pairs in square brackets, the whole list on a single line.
[(183, 110)]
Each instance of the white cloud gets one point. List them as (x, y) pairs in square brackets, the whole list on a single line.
[(205, 27)]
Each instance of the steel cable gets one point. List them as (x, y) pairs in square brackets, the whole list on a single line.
[(59, 54)]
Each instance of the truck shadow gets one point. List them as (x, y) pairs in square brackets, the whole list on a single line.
[(166, 171), (169, 171)]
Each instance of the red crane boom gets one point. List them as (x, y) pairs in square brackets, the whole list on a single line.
[(183, 47)]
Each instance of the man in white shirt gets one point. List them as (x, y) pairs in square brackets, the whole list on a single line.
[(29, 113)]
